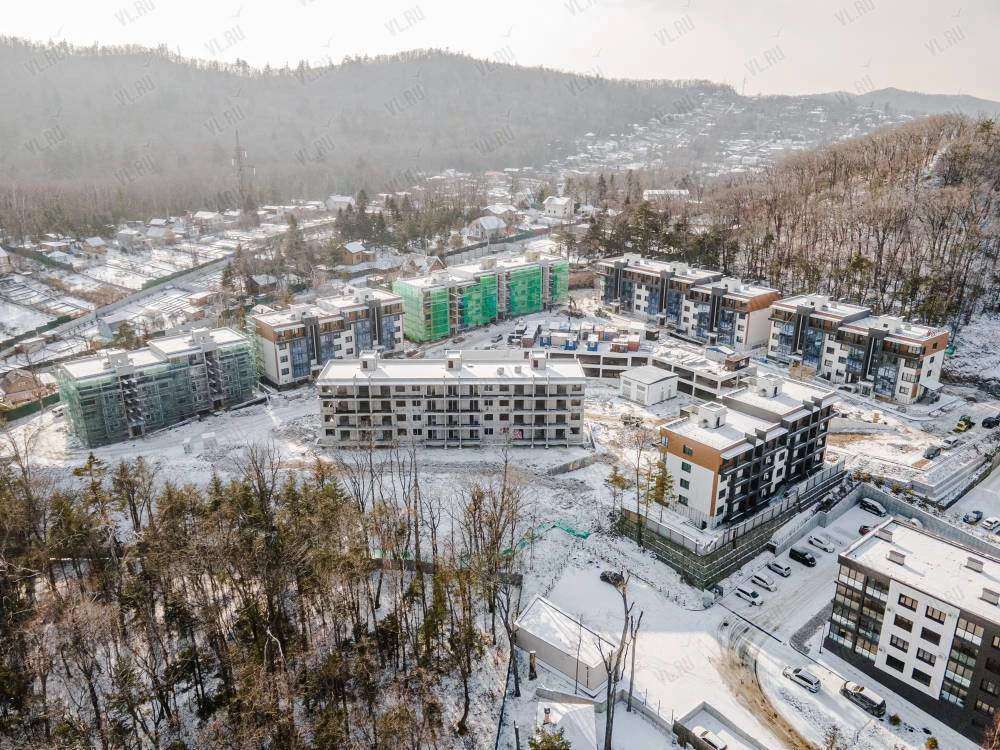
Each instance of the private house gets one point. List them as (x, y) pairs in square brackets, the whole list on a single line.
[(485, 228), (555, 207)]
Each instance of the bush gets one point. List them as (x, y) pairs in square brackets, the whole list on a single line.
[(895, 720), (931, 743)]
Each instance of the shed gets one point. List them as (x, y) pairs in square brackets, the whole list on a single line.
[(647, 385), (563, 643)]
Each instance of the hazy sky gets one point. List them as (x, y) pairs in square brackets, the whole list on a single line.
[(758, 46)]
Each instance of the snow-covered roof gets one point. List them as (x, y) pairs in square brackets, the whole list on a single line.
[(355, 247), (554, 200), (647, 375), (489, 222), (563, 632), (499, 366), (932, 564)]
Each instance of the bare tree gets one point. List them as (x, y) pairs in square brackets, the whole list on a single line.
[(613, 657)]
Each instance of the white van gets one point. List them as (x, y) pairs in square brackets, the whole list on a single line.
[(781, 568), (749, 594), (764, 581), (709, 738)]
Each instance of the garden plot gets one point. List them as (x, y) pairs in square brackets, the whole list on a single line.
[(16, 319)]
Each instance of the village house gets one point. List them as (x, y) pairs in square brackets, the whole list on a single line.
[(555, 207), (486, 228)]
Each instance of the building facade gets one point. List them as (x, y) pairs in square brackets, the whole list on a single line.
[(729, 457), (886, 356), (697, 304), (118, 395), (467, 399), (919, 613), (294, 343), (445, 303)]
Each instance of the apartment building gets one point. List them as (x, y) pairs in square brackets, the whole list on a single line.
[(919, 613), (886, 356), (729, 457), (701, 305), (447, 302), (467, 399), (294, 342), (117, 395)]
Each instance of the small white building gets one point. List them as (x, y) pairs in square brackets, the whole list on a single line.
[(337, 203), (487, 227), (647, 385), (5, 264), (556, 207), (564, 644)]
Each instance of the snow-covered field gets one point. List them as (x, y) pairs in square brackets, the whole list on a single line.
[(16, 319)]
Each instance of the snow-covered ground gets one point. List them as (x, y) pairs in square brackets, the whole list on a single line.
[(977, 350), (16, 319)]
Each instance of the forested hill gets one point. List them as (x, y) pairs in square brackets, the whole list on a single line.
[(80, 114)]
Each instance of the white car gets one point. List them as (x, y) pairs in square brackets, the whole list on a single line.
[(991, 523), (803, 677), (709, 738), (782, 569), (764, 581), (822, 542), (750, 595)]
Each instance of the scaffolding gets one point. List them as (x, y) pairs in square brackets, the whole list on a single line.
[(480, 302), (525, 291), (559, 282)]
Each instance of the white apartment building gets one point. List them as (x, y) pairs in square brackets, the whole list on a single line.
[(467, 399), (294, 342)]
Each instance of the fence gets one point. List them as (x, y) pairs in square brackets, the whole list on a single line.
[(481, 249), (684, 733)]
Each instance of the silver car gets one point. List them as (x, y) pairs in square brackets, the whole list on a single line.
[(803, 677)]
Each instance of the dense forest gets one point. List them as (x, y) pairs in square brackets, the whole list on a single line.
[(906, 220), (278, 608)]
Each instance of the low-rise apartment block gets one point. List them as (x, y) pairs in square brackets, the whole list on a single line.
[(730, 457), (447, 302), (919, 613), (117, 395), (294, 342), (698, 304), (886, 356), (467, 399)]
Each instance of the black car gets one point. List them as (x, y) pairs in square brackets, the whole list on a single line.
[(803, 556), (990, 422), (615, 579), (973, 517)]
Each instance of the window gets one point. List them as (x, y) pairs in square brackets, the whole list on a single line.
[(926, 657), (688, 451), (969, 631), (685, 484), (892, 661), (996, 641), (685, 466), (953, 692), (993, 665), (682, 500), (908, 601), (922, 677), (902, 622), (989, 686), (930, 636), (897, 642), (935, 614), (984, 708)]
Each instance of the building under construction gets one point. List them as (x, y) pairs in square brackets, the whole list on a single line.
[(447, 302), (117, 395)]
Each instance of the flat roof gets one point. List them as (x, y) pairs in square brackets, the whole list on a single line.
[(932, 564), (787, 403), (734, 432), (157, 352), (500, 366), (678, 268), (647, 374), (898, 328), (823, 305), (563, 632)]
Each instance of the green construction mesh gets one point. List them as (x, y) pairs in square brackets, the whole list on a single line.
[(525, 291), (559, 282), (480, 302)]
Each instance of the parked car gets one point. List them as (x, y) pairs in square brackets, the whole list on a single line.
[(614, 578), (864, 697), (862, 530), (764, 581), (803, 677), (822, 542), (497, 339), (973, 517), (782, 569), (750, 595), (991, 523), (932, 452), (709, 738), (875, 508), (990, 422), (803, 556), (950, 442)]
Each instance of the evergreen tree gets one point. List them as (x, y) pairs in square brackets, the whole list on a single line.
[(544, 740)]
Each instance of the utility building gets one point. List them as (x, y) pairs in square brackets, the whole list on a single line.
[(116, 395)]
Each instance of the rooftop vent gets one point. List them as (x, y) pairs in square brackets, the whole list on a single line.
[(884, 534), (500, 371), (454, 360), (517, 369), (990, 596), (895, 556), (974, 563)]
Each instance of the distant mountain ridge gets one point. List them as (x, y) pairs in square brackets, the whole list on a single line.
[(138, 122)]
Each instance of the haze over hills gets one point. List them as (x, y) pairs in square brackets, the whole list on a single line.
[(138, 122)]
